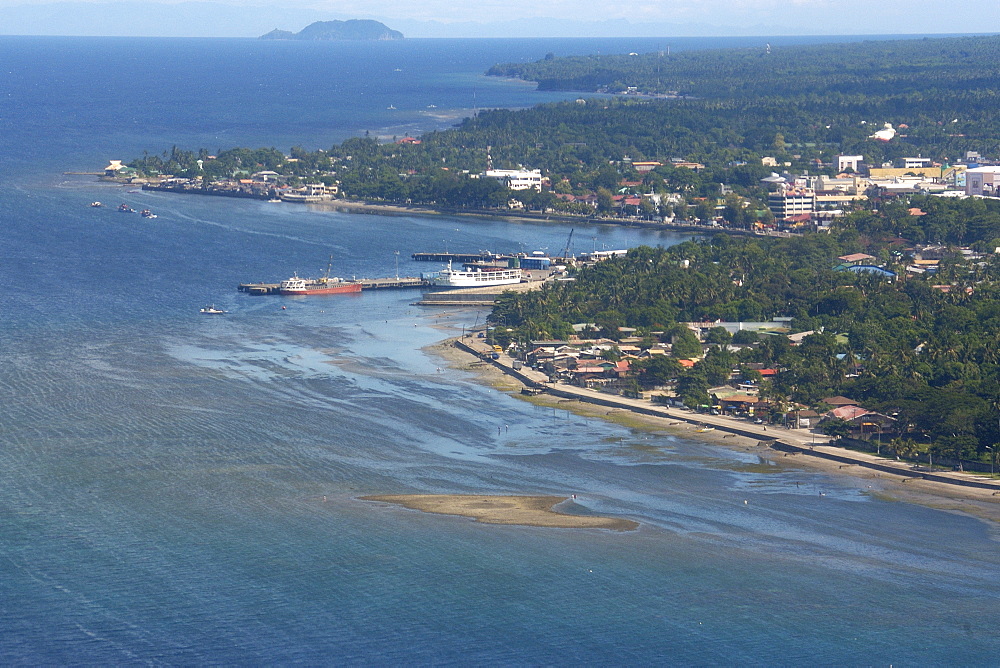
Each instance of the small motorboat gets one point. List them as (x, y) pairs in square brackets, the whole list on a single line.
[(146, 213), (125, 208), (96, 204), (211, 310)]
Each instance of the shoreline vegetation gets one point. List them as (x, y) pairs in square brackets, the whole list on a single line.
[(905, 483), (535, 511), (364, 206), (378, 208)]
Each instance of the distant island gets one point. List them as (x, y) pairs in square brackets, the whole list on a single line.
[(354, 29)]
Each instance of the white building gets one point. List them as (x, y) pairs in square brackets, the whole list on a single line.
[(113, 168), (983, 181), (788, 202), (517, 179), (310, 193), (913, 163), (849, 161)]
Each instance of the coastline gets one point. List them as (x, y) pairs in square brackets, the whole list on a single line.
[(386, 209), (891, 480), (390, 209)]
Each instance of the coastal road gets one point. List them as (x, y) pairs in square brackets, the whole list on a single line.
[(792, 441)]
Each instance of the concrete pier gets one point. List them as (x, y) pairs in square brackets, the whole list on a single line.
[(474, 296), (259, 288), (458, 258)]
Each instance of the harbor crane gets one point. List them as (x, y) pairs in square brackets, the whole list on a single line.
[(569, 241)]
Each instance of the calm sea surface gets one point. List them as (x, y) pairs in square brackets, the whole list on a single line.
[(163, 474)]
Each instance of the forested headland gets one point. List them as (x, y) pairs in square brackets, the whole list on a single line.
[(922, 348), (925, 351)]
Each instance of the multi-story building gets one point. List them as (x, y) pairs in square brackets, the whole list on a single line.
[(913, 163), (852, 162), (983, 182), (517, 179), (787, 202)]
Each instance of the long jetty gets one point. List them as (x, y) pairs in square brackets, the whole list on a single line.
[(402, 282)]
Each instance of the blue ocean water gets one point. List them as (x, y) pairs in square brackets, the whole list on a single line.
[(177, 489)]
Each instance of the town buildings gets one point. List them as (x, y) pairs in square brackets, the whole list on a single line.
[(517, 179), (982, 181)]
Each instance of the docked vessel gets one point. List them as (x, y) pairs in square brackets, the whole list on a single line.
[(318, 286), (476, 276)]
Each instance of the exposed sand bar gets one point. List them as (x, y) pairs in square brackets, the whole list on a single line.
[(534, 511)]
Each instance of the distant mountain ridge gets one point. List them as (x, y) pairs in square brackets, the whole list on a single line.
[(355, 29)]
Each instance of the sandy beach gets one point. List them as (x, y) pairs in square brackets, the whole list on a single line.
[(981, 503), (535, 511)]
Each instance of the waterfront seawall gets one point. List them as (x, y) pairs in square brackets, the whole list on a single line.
[(788, 442)]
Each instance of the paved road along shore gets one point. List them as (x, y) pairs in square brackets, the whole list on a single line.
[(796, 441)]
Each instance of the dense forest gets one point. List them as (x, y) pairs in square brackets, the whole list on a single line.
[(926, 355), (926, 67), (943, 90)]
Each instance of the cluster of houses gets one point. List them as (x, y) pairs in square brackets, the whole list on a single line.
[(610, 365), (917, 260), (265, 184), (587, 363)]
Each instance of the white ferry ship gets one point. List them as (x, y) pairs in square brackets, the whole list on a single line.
[(474, 276)]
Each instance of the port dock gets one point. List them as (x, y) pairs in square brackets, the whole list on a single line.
[(475, 296), (259, 288), (392, 283), (460, 297)]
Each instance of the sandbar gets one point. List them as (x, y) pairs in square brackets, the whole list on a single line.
[(534, 511)]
